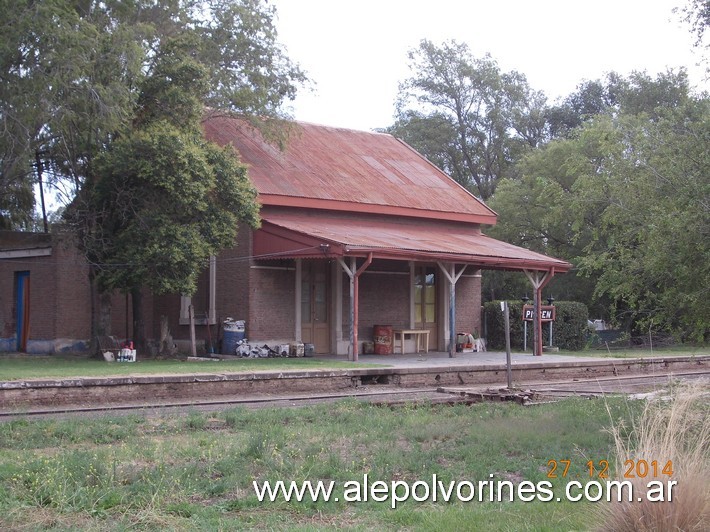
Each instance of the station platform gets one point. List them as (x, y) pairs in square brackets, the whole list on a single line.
[(437, 359), (409, 371)]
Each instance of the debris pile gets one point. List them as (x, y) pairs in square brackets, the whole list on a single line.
[(246, 350)]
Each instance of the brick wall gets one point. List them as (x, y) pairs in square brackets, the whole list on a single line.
[(272, 297), (7, 298), (60, 297), (468, 302), (168, 305), (383, 298), (233, 279), (72, 308), (42, 296), (261, 293), (122, 321)]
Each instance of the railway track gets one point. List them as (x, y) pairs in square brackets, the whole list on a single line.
[(383, 395), (633, 385), (619, 384)]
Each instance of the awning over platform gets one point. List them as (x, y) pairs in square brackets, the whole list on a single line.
[(323, 235)]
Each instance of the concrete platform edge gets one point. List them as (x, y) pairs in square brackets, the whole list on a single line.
[(107, 390), (309, 374)]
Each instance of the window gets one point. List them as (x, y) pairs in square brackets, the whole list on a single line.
[(425, 295)]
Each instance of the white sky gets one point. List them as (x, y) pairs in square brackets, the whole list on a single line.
[(355, 50)]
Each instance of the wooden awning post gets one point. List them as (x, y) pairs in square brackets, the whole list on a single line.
[(352, 355), (354, 275), (452, 277), (298, 332), (539, 280)]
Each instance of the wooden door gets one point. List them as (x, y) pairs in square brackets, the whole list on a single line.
[(315, 327), (425, 302), (22, 309)]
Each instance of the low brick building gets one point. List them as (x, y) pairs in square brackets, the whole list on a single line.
[(358, 230), (45, 295)]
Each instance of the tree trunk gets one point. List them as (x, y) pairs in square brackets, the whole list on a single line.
[(104, 317), (94, 342), (100, 313), (167, 345), (138, 323)]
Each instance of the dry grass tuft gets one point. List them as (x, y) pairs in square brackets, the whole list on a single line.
[(673, 428)]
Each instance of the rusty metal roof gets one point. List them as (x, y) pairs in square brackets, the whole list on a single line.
[(346, 170), (336, 192), (296, 233)]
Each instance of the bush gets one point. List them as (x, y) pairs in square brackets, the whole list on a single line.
[(569, 331)]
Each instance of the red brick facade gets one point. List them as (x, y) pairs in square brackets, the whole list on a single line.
[(60, 306), (329, 197), (260, 292)]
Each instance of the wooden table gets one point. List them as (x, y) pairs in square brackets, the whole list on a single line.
[(421, 335)]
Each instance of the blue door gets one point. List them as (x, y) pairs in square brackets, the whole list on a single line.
[(22, 287)]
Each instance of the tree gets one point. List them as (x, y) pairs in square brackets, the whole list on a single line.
[(697, 14), (652, 254), (625, 198), (466, 116), (637, 93), (164, 198), (72, 69), (85, 88), (589, 100), (541, 210), (67, 74)]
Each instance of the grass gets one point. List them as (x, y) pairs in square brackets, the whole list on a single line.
[(15, 367), (675, 431), (195, 471), (640, 353)]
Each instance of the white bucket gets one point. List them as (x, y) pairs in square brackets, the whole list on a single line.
[(233, 325)]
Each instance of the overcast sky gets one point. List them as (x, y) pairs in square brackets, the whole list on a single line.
[(355, 50)]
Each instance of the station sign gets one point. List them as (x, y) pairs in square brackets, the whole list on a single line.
[(547, 313)]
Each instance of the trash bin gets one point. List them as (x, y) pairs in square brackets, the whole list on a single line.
[(234, 332), (383, 339)]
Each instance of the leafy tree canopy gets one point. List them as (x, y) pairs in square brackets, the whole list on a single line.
[(466, 116), (165, 199), (72, 72), (697, 14), (625, 198), (103, 100)]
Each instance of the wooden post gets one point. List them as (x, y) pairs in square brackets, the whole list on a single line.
[(538, 280), (191, 312), (354, 275), (298, 332), (353, 310), (452, 277), (508, 363), (537, 328), (452, 316)]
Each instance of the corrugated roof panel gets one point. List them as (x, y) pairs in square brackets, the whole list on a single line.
[(436, 238), (392, 177), (343, 165)]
